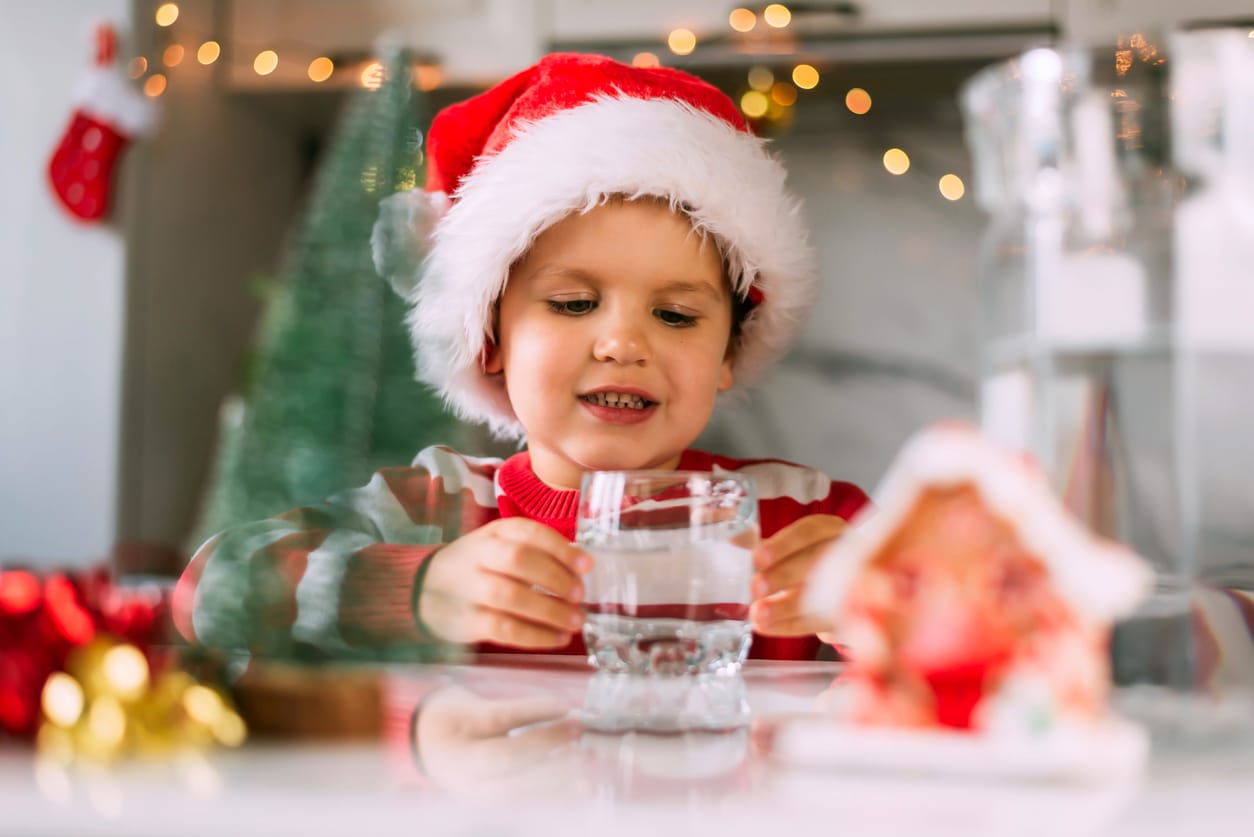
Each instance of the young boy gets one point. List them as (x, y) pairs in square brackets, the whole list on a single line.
[(612, 249)]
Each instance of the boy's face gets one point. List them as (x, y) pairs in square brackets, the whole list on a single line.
[(613, 341)]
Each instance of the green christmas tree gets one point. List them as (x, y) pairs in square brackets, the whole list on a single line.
[(332, 395)]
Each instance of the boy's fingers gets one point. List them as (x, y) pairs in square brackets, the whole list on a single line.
[(520, 600), (791, 572), (817, 528), (781, 615), (491, 718), (532, 565), (524, 531), (801, 626), (512, 752), (503, 629)]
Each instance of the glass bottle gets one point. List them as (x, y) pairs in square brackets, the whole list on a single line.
[(1077, 370), (1212, 92)]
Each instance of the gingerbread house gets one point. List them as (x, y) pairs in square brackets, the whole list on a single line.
[(970, 599)]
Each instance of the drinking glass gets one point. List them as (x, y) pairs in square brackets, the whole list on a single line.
[(621, 703), (669, 592)]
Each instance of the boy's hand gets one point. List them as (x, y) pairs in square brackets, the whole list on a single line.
[(483, 586), (783, 562)]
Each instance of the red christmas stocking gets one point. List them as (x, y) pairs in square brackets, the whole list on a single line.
[(108, 113)]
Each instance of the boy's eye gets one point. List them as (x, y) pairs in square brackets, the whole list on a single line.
[(574, 307), (674, 318)]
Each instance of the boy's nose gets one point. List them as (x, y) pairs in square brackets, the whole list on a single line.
[(621, 341)]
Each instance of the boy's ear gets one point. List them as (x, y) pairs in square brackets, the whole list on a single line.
[(725, 377), (490, 358)]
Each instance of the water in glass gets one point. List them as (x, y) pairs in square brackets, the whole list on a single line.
[(669, 593)]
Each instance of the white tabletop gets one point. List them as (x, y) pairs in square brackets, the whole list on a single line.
[(501, 749)]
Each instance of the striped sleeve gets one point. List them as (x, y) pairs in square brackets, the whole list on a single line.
[(337, 576), (789, 492)]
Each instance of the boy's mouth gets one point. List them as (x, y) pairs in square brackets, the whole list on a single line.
[(619, 400)]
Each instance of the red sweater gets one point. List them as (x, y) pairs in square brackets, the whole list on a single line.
[(345, 573)]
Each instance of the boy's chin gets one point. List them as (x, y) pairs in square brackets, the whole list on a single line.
[(614, 458)]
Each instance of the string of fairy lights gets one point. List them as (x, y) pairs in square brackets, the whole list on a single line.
[(769, 98), (369, 73)]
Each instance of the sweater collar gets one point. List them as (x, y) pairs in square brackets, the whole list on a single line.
[(535, 499), (543, 503)]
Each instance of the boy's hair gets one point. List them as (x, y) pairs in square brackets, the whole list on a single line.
[(742, 305), (562, 137)]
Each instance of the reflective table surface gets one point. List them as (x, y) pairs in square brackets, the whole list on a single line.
[(539, 745)]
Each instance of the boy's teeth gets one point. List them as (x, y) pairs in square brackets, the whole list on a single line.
[(617, 399)]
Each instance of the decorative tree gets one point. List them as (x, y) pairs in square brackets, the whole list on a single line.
[(332, 396)]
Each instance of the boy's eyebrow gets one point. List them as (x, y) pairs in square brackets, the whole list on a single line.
[(704, 288), (559, 271)]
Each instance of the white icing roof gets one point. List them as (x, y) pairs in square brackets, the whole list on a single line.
[(1100, 578)]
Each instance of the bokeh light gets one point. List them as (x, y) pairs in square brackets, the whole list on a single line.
[(645, 59), (428, 77), (202, 705), (372, 75), (784, 94), (154, 86), (952, 187), (777, 15), (173, 55), (896, 161), (805, 76), (138, 66), (125, 670), (266, 62), (681, 41), (208, 53), (761, 78), (858, 101), (754, 104), (106, 721), (229, 729), (19, 591), (167, 13), (62, 699), (320, 69), (742, 20)]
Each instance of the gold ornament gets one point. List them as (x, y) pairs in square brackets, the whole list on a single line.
[(108, 705)]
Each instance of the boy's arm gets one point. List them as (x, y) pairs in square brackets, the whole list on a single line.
[(336, 576)]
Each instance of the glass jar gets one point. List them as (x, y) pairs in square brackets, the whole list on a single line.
[(1077, 308), (1212, 92)]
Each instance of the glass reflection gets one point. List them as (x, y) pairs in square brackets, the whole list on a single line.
[(618, 737), (627, 703)]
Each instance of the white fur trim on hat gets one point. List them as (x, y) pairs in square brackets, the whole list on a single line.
[(722, 178)]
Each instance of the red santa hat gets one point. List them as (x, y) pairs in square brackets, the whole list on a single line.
[(560, 137)]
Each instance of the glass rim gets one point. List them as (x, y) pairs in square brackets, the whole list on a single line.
[(658, 473)]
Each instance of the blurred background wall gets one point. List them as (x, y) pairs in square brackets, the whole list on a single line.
[(62, 297), (119, 344)]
